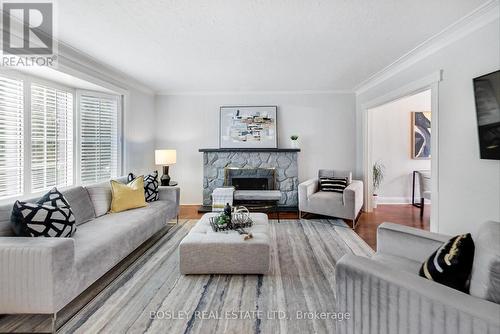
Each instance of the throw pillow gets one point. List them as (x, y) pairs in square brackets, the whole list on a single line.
[(127, 196), (150, 186), (451, 264), (335, 184), (50, 216)]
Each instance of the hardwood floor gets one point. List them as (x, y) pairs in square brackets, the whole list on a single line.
[(367, 224), (395, 213)]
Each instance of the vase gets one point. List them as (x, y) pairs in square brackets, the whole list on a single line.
[(295, 143), (374, 201)]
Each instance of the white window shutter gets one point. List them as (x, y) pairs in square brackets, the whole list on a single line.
[(11, 137), (51, 138), (98, 137)]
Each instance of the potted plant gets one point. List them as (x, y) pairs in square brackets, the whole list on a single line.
[(378, 177), (295, 141)]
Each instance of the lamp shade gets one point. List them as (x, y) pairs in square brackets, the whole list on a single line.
[(165, 157)]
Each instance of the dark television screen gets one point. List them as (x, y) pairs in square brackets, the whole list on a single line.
[(487, 94)]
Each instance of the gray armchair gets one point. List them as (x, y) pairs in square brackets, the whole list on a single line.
[(345, 205), (385, 294)]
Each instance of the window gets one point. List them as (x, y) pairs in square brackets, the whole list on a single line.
[(51, 138), (47, 140), (11, 137), (98, 137)]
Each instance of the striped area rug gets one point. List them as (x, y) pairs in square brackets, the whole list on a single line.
[(151, 296)]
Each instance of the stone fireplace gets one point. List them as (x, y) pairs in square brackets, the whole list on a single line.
[(272, 169)]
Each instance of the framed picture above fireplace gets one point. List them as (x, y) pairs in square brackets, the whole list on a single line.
[(248, 127)]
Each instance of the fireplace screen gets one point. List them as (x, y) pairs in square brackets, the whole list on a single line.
[(250, 178)]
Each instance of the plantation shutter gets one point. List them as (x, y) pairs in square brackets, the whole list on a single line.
[(98, 137), (11, 137), (51, 138)]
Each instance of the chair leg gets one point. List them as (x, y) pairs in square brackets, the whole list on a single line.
[(277, 212), (53, 323), (422, 208)]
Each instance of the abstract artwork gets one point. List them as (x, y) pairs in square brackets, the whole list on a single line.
[(248, 127), (421, 134)]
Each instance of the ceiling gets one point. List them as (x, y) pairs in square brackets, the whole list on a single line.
[(253, 45)]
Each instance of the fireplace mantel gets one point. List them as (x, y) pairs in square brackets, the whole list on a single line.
[(249, 150)]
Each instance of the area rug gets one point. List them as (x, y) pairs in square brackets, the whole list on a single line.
[(151, 296)]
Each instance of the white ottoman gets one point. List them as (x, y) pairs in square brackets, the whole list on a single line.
[(204, 251)]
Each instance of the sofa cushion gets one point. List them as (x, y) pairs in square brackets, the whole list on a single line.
[(110, 238), (50, 216), (151, 185), (451, 263), (335, 184), (127, 196), (79, 200), (326, 198), (100, 195), (335, 173), (398, 262), (485, 279)]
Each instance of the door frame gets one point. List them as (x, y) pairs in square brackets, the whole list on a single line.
[(429, 82)]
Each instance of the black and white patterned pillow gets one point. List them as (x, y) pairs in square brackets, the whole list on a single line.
[(151, 185), (335, 184), (451, 264), (50, 216)]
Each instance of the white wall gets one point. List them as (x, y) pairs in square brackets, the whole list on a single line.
[(325, 124), (391, 140), (139, 132), (469, 188)]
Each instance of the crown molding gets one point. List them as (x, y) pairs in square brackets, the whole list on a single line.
[(75, 62), (477, 19), (253, 92)]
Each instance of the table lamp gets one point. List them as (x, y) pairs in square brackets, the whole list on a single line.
[(165, 158)]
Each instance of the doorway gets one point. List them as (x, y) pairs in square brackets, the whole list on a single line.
[(401, 132), (429, 82)]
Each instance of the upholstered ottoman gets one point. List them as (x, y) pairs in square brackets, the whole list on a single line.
[(204, 251)]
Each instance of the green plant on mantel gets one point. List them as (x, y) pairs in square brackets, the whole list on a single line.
[(378, 175), (294, 137)]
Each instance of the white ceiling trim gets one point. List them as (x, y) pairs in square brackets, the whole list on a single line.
[(72, 61), (77, 60), (477, 19), (256, 92)]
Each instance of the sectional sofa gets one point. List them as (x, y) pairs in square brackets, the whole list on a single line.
[(42, 275)]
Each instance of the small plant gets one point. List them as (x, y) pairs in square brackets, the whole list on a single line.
[(378, 175), (294, 137)]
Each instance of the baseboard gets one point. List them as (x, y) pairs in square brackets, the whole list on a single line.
[(394, 200)]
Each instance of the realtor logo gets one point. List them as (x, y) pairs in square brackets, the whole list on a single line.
[(28, 30), (37, 27)]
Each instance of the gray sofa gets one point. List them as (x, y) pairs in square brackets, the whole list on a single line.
[(345, 205), (385, 294), (42, 275)]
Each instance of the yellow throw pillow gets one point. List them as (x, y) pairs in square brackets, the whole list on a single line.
[(127, 196)]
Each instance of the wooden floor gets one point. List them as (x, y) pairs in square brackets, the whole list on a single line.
[(367, 224)]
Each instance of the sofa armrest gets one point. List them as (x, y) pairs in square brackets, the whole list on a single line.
[(172, 194), (409, 242), (307, 188), (353, 193), (378, 296), (32, 271)]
